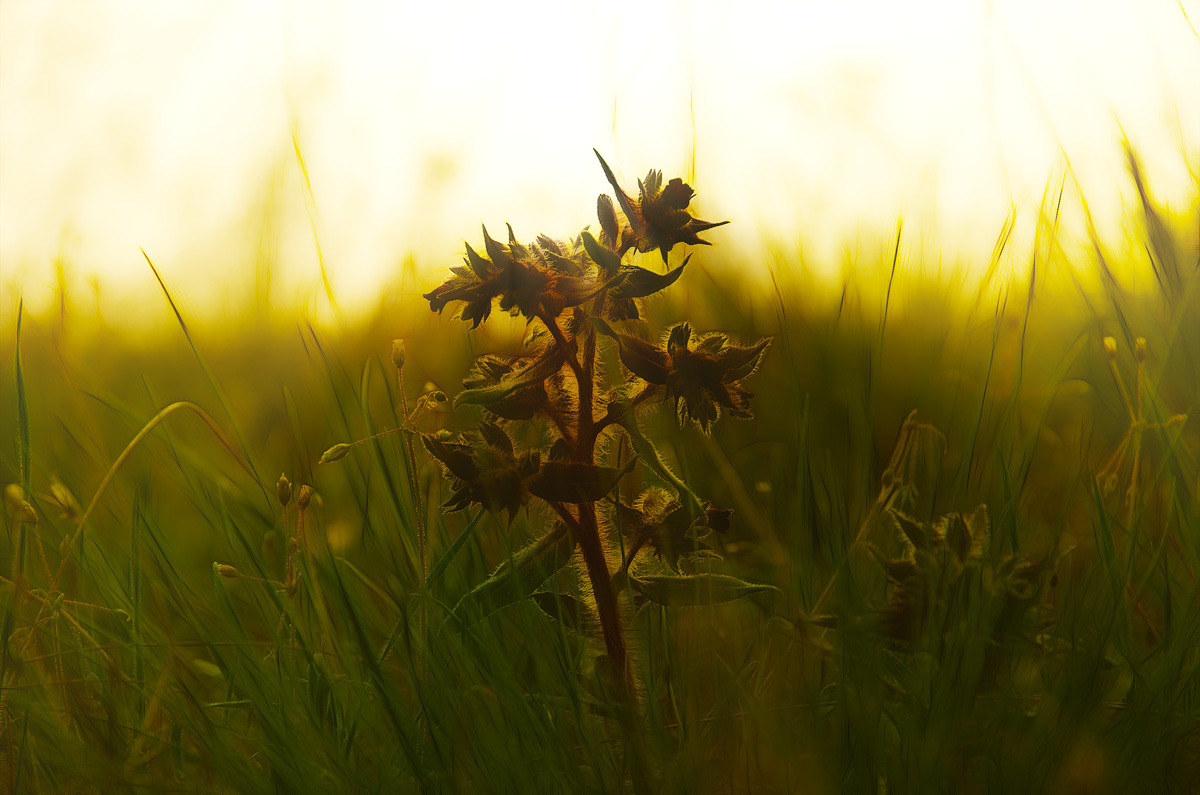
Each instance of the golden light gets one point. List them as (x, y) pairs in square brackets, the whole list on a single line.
[(175, 128)]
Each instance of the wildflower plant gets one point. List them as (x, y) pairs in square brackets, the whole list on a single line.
[(571, 293)]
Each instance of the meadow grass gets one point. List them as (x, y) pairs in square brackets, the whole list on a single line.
[(980, 520)]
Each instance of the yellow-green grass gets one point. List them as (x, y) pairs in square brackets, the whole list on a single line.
[(195, 635)]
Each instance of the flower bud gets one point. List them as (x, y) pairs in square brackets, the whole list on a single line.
[(1139, 349), (226, 571), (305, 497), (1110, 348), (398, 353), (15, 496), (283, 490), (335, 453)]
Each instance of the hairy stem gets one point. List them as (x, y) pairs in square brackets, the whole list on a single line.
[(585, 451), (588, 536)]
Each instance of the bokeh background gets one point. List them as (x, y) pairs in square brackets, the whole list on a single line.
[(815, 126)]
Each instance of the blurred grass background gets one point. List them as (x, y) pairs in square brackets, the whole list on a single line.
[(145, 668)]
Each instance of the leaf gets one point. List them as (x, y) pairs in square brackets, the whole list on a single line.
[(530, 378), (563, 608), (519, 576), (455, 455), (641, 282), (913, 534), (479, 265), (646, 361), (740, 361), (565, 481), (608, 219), (606, 259), (494, 436), (696, 589), (979, 530), (622, 197)]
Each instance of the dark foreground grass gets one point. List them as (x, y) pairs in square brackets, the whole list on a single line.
[(980, 520)]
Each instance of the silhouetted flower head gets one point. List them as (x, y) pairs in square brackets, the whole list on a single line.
[(703, 377), (658, 218), (533, 281), (658, 519), (489, 471)]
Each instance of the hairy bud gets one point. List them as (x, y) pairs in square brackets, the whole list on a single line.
[(283, 491)]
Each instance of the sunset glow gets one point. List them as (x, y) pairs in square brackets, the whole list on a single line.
[(171, 128)]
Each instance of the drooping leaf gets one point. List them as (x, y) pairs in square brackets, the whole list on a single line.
[(567, 481), (512, 393), (519, 576), (646, 361), (696, 589), (565, 609), (641, 282)]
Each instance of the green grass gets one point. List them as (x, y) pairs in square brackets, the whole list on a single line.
[(1055, 649)]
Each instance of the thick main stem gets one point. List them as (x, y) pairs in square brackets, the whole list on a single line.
[(586, 528)]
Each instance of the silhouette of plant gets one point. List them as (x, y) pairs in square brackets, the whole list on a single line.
[(568, 292)]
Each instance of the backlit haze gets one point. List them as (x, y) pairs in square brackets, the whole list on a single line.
[(170, 127)]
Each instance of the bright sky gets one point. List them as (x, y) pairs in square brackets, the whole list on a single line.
[(169, 127)]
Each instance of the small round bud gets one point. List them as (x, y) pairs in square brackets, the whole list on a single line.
[(14, 495), (335, 453), (226, 571), (283, 491), (305, 497), (1110, 348), (444, 435), (1139, 349), (398, 354), (437, 397)]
